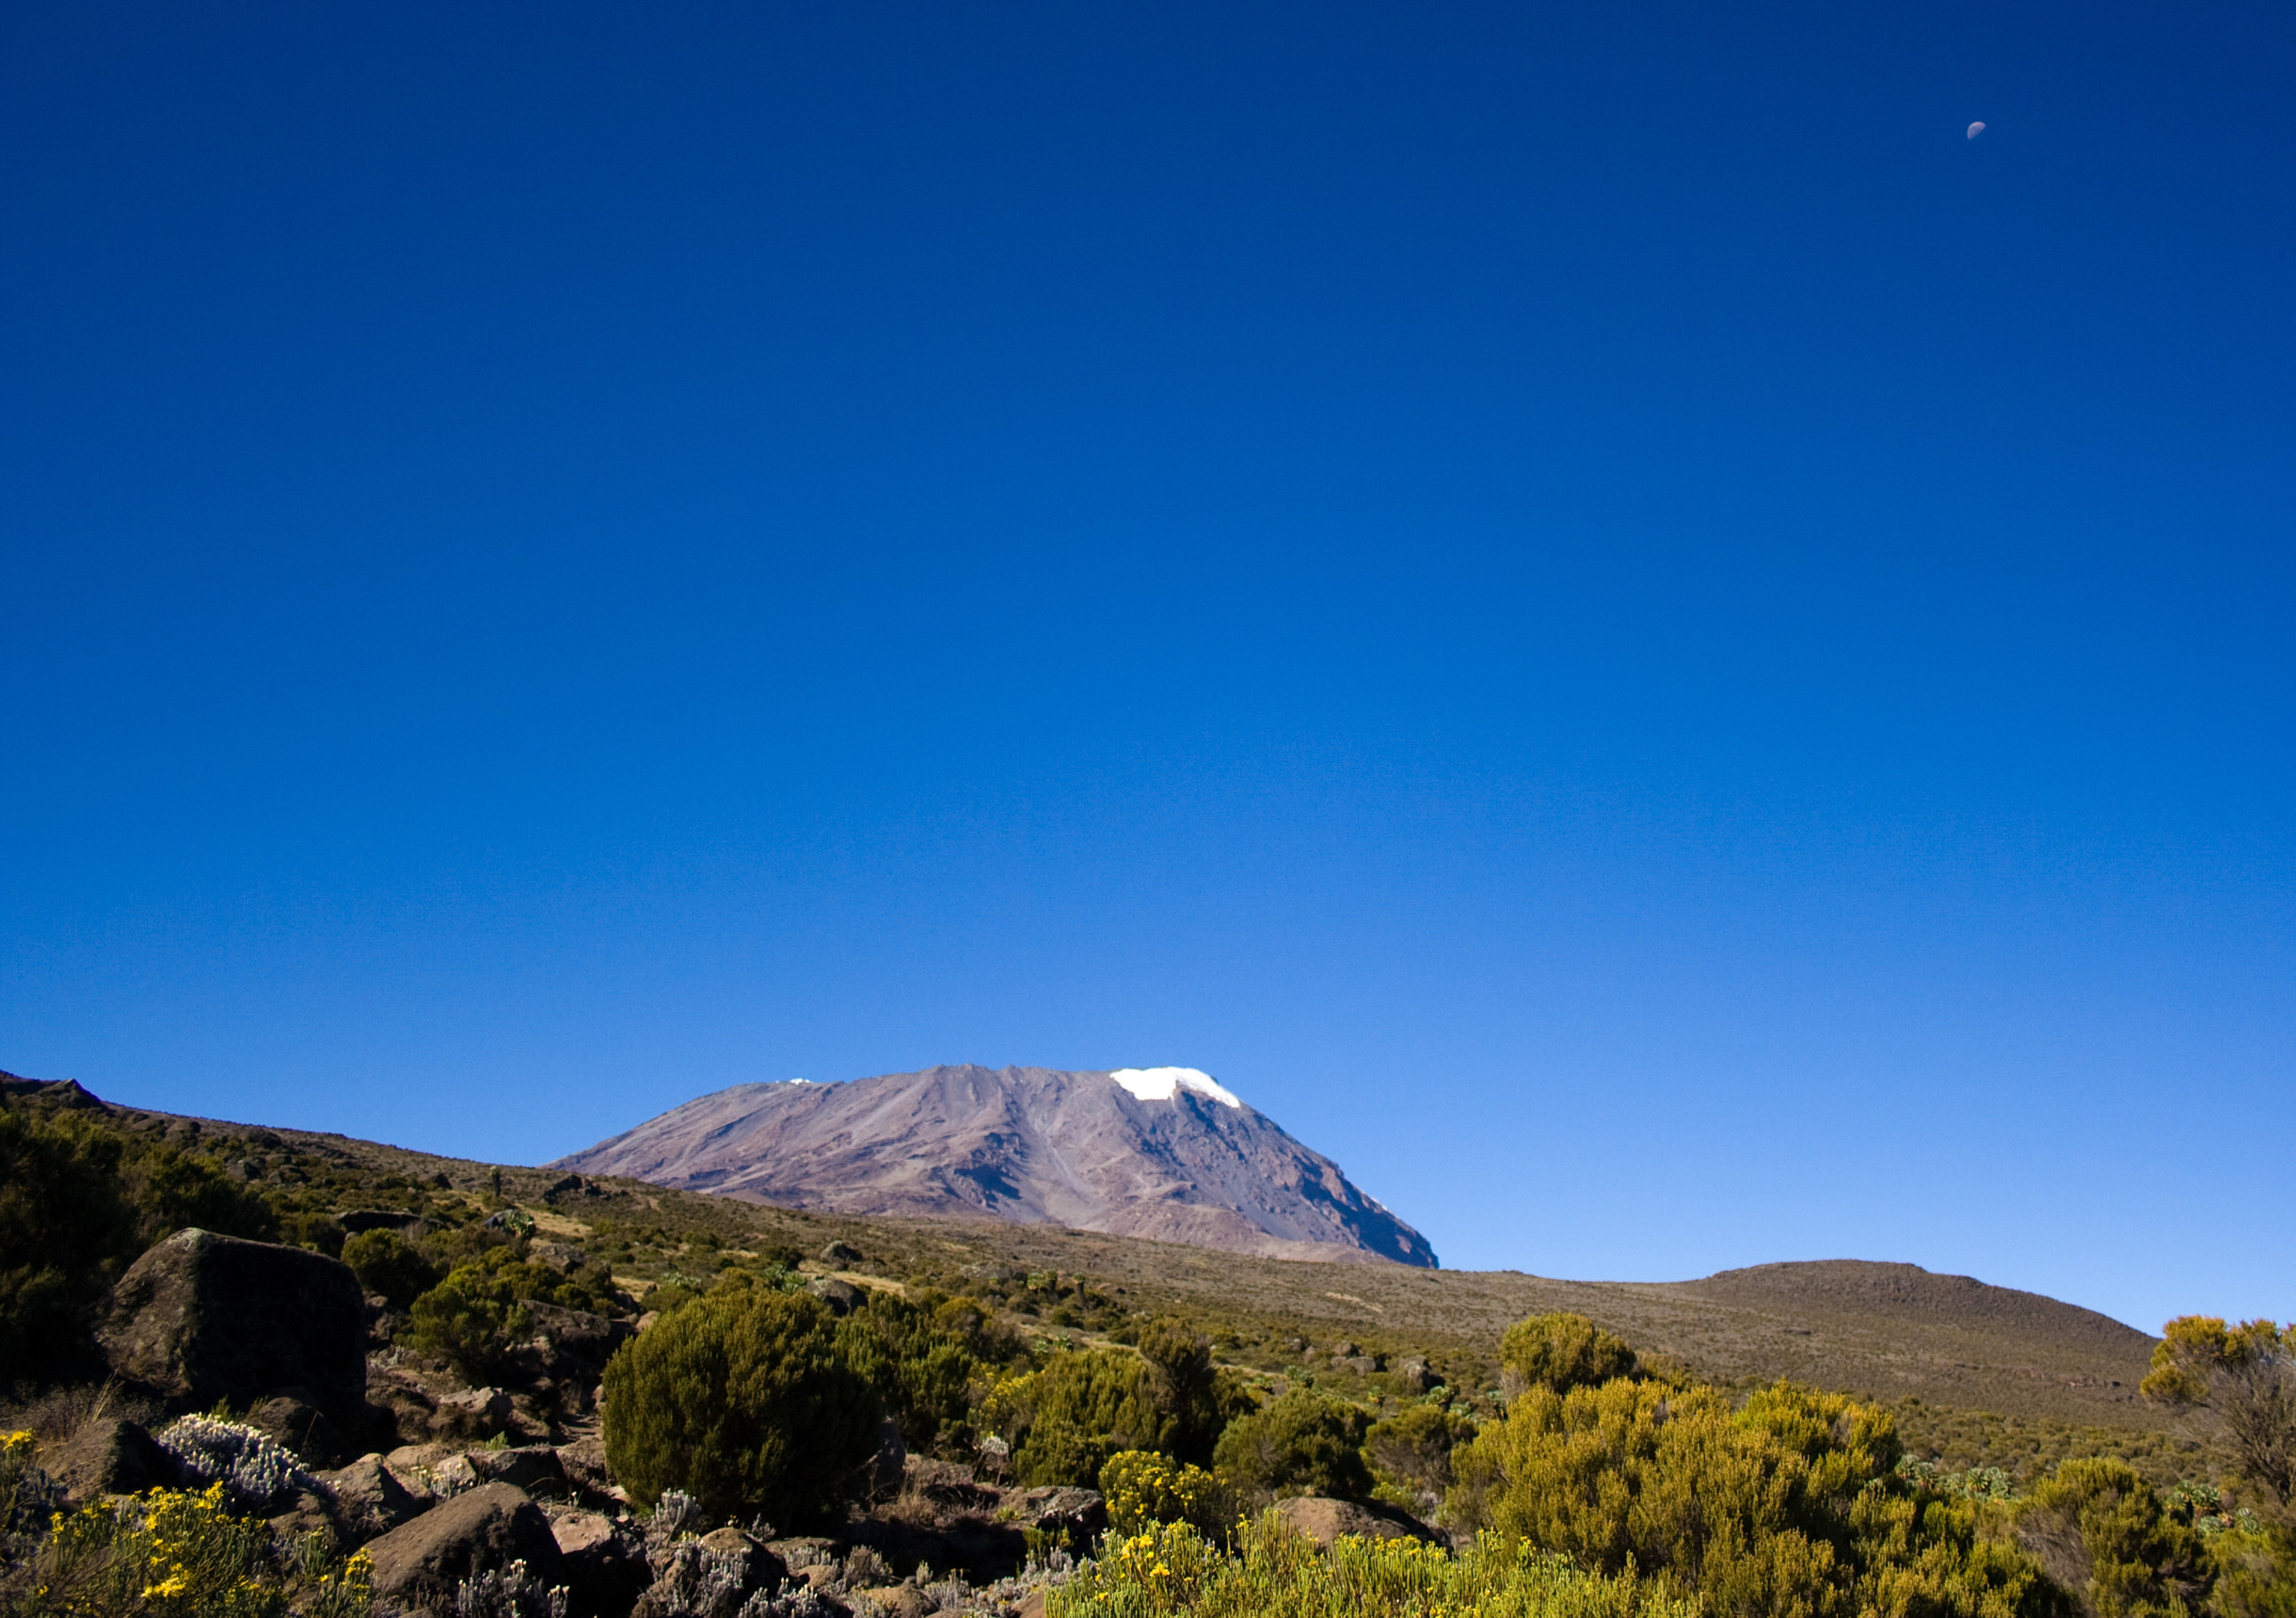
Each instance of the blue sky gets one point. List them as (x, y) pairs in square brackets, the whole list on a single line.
[(1676, 662)]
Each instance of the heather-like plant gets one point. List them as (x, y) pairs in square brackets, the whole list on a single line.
[(388, 1264), (742, 1400), (253, 1469), (1559, 1352), (1305, 1443), (1066, 1418)]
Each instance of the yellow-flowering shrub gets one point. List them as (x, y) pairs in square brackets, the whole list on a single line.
[(1144, 1489), (174, 1553), (1274, 1573)]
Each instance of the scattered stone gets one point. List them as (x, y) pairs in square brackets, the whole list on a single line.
[(1359, 1365), (1326, 1521), (603, 1561), (369, 1500), (838, 1253), (302, 1427), (577, 1338), (842, 1297), (473, 1413), (1414, 1375), (560, 1256), (1082, 1511), (807, 1550), (535, 1468), (202, 1319), (360, 1220), (109, 1456), (421, 1562)]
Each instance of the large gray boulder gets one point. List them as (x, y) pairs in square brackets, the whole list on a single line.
[(1327, 1521), (419, 1564), (109, 1456), (201, 1318)]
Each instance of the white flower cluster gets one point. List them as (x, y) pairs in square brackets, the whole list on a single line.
[(513, 1593), (254, 1469)]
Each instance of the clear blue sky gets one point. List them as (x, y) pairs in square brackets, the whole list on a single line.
[(1676, 662)]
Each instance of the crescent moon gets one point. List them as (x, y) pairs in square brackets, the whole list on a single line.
[(1977, 129)]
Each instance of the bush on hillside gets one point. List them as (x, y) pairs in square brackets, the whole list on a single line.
[(1790, 1505), (388, 1264), (1305, 1443), (1066, 1418), (1559, 1352), (474, 1318), (742, 1400), (1410, 1454), (2107, 1536), (922, 1371), (1143, 1488)]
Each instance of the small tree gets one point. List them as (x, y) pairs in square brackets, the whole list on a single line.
[(1065, 1420), (1305, 1443), (2247, 1375), (1560, 1352), (388, 1265), (742, 1400)]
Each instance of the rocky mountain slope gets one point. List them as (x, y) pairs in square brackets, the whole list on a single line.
[(1164, 1153)]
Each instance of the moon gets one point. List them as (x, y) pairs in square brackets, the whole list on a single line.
[(1977, 129)]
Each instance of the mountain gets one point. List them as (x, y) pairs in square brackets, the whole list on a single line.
[(1165, 1153)]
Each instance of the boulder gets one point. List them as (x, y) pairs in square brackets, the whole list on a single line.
[(109, 1456), (1327, 1520), (534, 1468), (1082, 1511), (359, 1220), (842, 1297), (1414, 1375), (693, 1566), (838, 1253), (202, 1319), (473, 1413), (603, 1561), (369, 1500), (303, 1427), (421, 1562), (578, 1341)]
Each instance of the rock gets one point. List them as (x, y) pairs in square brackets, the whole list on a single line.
[(584, 1462), (559, 1256), (1082, 1511), (421, 1562), (805, 1550), (303, 1427), (1359, 1365), (360, 1220), (1414, 1375), (570, 1183), (677, 1590), (473, 1413), (1327, 1520), (576, 1338), (1031, 1604), (842, 1297), (897, 1601), (369, 1500), (535, 1468), (603, 1561), (202, 1319), (109, 1456), (838, 1253)]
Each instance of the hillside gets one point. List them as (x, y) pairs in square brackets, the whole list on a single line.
[(1978, 1374), (1165, 1153)]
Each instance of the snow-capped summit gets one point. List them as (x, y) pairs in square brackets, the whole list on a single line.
[(1167, 1153), (1163, 1083)]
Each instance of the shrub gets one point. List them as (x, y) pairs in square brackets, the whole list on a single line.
[(1560, 1352), (386, 1263), (179, 1554), (253, 1468), (1143, 1488), (1274, 1573), (473, 1317), (66, 1231), (1066, 1420), (922, 1371), (1410, 1454), (742, 1400), (1305, 1443), (2104, 1533)]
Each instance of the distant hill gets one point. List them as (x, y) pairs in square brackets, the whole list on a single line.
[(1165, 1153)]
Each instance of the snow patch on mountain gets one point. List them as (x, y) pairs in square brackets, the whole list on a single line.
[(1163, 1083)]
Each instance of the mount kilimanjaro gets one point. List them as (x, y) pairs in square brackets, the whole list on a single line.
[(1166, 1153)]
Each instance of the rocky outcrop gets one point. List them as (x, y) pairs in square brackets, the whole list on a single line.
[(1165, 1153), (1327, 1521), (201, 1318), (420, 1564), (110, 1457)]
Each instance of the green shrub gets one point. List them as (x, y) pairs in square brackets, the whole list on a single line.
[(386, 1263), (1788, 1506), (922, 1371), (1410, 1454), (474, 1318), (1143, 1488), (742, 1400), (1067, 1419), (1274, 1573), (179, 1554), (1305, 1443), (2105, 1534), (1560, 1352)]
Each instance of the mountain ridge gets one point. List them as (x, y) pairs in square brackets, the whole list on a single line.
[(1168, 1154)]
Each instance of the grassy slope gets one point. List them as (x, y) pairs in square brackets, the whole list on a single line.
[(1978, 1375)]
